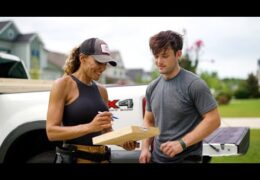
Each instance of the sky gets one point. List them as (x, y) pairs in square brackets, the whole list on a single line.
[(231, 44)]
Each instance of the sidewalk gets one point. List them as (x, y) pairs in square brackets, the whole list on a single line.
[(253, 123)]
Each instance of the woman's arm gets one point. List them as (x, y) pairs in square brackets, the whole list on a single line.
[(58, 98)]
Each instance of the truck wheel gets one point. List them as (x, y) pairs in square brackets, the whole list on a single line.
[(44, 157), (206, 159)]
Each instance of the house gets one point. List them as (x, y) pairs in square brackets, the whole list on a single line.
[(115, 75), (53, 68), (139, 75), (29, 47)]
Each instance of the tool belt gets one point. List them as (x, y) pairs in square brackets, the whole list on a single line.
[(70, 153)]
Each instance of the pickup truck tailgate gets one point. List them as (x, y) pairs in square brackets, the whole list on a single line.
[(226, 141)]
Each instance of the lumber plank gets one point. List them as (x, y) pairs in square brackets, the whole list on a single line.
[(129, 133)]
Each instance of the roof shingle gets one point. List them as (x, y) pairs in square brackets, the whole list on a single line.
[(3, 24)]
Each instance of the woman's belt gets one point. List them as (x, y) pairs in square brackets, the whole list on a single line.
[(92, 153)]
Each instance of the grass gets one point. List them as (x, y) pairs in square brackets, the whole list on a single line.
[(241, 108), (252, 155)]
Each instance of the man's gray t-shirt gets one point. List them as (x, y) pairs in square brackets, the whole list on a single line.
[(178, 105)]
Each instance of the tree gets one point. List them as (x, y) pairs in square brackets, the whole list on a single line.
[(252, 85), (221, 91), (248, 88), (186, 61), (154, 72), (212, 80), (242, 92), (197, 47)]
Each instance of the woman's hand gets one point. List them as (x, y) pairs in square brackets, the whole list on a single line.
[(102, 121), (130, 145)]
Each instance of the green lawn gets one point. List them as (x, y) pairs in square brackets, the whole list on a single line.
[(241, 108), (252, 155)]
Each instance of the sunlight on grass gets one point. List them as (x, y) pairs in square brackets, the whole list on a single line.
[(241, 108)]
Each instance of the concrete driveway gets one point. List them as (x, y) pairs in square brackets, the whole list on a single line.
[(253, 123)]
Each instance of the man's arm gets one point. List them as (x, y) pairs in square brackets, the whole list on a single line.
[(209, 123), (148, 122), (145, 155)]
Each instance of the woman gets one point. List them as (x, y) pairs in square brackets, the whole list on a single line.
[(76, 101)]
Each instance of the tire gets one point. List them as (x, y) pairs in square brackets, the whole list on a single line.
[(46, 157), (206, 159)]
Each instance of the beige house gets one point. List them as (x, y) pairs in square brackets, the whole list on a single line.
[(54, 64)]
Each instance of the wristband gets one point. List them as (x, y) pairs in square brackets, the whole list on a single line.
[(183, 144)]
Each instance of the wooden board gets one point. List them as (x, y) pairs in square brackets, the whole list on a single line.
[(129, 133), (12, 85)]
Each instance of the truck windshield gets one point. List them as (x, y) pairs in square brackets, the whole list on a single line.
[(12, 69)]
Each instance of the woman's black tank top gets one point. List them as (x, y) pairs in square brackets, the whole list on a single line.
[(83, 110)]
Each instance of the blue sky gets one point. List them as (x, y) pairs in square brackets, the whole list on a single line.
[(232, 42)]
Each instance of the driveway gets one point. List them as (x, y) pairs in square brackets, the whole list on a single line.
[(253, 123)]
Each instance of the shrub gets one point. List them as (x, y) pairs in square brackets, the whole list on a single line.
[(223, 98), (242, 93)]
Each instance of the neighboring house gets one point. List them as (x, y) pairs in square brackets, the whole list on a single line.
[(28, 47), (114, 75), (138, 75), (53, 68)]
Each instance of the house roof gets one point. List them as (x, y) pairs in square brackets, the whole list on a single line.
[(25, 37), (3, 24), (28, 37), (58, 59), (6, 24), (20, 37)]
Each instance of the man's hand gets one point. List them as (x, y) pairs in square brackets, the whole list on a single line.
[(171, 148), (145, 156)]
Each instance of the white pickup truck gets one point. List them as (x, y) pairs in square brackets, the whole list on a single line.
[(23, 109)]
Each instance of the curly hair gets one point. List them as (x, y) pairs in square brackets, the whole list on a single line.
[(72, 63)]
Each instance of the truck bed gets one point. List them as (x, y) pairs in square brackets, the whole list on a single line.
[(12, 85)]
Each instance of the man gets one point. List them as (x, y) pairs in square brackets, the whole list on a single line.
[(179, 103)]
